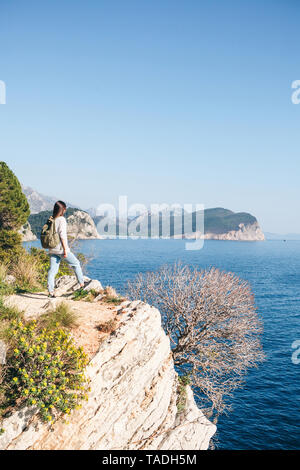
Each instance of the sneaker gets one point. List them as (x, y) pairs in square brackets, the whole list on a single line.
[(52, 296), (86, 283)]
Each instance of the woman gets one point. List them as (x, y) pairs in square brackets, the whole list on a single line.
[(62, 250)]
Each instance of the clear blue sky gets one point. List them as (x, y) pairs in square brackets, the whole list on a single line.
[(160, 100)]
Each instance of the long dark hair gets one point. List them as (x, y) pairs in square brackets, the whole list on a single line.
[(58, 209)]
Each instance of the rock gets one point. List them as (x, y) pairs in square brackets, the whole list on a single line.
[(10, 279), (67, 284), (81, 226), (132, 402), (98, 298), (27, 234), (249, 232), (94, 285)]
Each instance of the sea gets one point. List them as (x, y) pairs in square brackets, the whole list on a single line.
[(266, 411)]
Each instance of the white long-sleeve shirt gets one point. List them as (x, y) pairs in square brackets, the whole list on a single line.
[(61, 229)]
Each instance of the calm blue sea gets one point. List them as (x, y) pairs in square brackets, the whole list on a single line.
[(266, 412)]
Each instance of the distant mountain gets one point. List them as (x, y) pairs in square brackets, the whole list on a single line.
[(219, 224), (224, 224), (39, 202)]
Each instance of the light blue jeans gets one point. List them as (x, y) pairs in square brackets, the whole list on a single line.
[(54, 266)]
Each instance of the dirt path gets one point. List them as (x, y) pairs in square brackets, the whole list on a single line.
[(90, 316)]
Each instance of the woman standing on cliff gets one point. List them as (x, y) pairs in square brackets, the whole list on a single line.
[(62, 250)]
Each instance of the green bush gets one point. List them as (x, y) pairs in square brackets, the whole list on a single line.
[(14, 212), (10, 246), (113, 300), (6, 289), (14, 208), (43, 369), (80, 294), (183, 381)]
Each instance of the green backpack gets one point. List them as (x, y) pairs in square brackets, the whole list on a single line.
[(49, 236)]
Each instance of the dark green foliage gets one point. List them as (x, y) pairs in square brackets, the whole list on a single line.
[(9, 313), (217, 220), (5, 289), (80, 294), (10, 246), (220, 220), (183, 381), (43, 368), (38, 220), (14, 211), (14, 208), (113, 300)]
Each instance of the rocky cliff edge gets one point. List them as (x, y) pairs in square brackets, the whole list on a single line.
[(134, 388)]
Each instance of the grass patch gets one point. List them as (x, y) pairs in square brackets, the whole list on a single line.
[(26, 272), (62, 316), (6, 289), (183, 381), (9, 312), (113, 300), (80, 294)]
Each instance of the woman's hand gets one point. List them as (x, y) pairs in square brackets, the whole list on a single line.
[(65, 255)]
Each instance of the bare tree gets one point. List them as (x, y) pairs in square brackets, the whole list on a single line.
[(212, 322)]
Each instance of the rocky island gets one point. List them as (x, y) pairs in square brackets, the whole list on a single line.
[(219, 223)]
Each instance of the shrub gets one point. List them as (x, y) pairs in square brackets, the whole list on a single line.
[(183, 381), (110, 292), (212, 323), (10, 246), (14, 212), (43, 369), (113, 300), (111, 296), (80, 294), (62, 316), (14, 208), (26, 272), (9, 312)]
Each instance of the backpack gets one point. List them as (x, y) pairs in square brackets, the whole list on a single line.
[(49, 236)]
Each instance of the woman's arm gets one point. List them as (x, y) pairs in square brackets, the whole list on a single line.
[(62, 232), (64, 247)]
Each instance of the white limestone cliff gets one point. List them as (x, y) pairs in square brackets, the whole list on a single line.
[(248, 232), (27, 234), (82, 226), (132, 402)]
